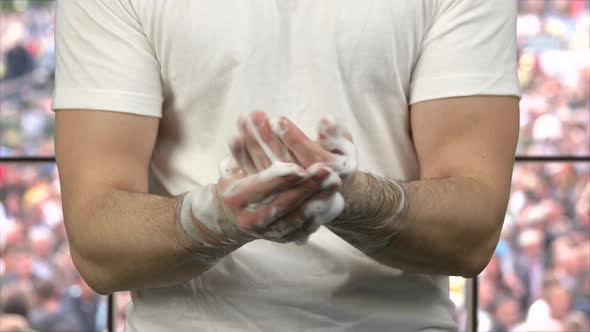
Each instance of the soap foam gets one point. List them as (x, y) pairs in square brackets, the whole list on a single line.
[(200, 204), (346, 162), (276, 127), (319, 211), (254, 132)]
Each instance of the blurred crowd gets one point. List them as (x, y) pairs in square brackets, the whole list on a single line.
[(26, 81), (537, 280), (553, 67), (39, 285), (539, 276), (554, 71)]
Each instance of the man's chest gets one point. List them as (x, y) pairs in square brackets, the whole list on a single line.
[(369, 45)]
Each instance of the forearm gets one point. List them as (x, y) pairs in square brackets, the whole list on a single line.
[(451, 225), (131, 240)]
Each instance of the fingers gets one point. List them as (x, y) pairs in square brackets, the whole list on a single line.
[(290, 228), (284, 141), (261, 142), (249, 128), (259, 215), (240, 155), (305, 220), (278, 177), (302, 147), (280, 199), (329, 128), (336, 139)]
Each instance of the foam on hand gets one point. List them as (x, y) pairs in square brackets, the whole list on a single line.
[(333, 138), (254, 132), (276, 127), (198, 209), (324, 211), (319, 212), (199, 206)]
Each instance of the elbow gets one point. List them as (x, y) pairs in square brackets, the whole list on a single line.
[(473, 266), (485, 237), (480, 252), (89, 257), (96, 276)]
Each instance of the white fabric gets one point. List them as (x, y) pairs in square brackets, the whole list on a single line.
[(198, 64)]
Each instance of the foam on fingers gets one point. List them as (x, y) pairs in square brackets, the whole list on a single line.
[(335, 138), (324, 211), (276, 127), (254, 132), (321, 210), (280, 168)]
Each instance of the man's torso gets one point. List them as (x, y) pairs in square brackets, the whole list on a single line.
[(302, 59)]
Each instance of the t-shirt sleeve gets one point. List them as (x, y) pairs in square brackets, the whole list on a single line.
[(104, 61), (469, 49)]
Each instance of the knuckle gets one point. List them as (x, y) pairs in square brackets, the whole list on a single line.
[(231, 201)]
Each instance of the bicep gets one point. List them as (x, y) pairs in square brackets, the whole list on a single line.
[(98, 151), (467, 137)]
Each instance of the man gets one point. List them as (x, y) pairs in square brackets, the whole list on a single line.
[(85, 308), (506, 311), (46, 315), (16, 263), (148, 93)]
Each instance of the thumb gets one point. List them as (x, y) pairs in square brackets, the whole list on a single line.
[(330, 132)]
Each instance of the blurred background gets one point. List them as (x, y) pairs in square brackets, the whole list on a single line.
[(537, 280)]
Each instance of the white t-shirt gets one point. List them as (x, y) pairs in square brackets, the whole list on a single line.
[(198, 64)]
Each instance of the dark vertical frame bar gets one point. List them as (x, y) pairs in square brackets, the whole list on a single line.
[(111, 313), (473, 308)]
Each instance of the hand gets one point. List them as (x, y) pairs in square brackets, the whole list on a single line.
[(263, 146), (334, 147), (269, 204), (263, 193)]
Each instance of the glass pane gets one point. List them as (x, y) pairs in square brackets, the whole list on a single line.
[(26, 78), (554, 71), (539, 276), (458, 294), (38, 280)]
